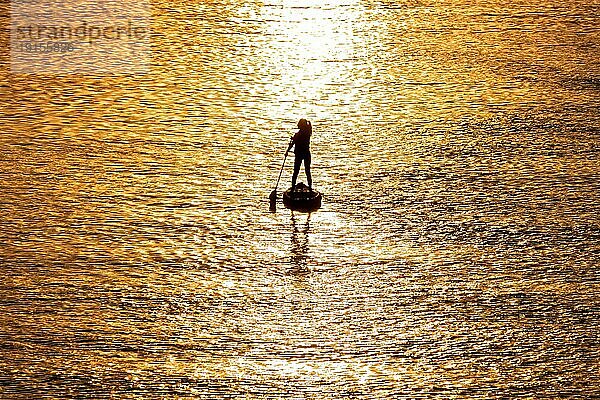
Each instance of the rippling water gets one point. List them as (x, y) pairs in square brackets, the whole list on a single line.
[(456, 254)]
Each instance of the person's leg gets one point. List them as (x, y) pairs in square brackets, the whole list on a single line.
[(297, 162), (307, 169)]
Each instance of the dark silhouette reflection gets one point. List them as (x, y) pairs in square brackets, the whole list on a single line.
[(299, 249)]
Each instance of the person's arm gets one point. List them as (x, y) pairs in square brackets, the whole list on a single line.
[(293, 140)]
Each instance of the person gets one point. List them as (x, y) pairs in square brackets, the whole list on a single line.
[(301, 141)]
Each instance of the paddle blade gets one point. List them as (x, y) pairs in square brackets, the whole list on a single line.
[(273, 200)]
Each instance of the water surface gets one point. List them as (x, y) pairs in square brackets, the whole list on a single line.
[(455, 255)]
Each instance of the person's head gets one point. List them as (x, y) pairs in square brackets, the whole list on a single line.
[(303, 124)]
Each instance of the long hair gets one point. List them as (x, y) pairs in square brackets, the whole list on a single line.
[(305, 126)]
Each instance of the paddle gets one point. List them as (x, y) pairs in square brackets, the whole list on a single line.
[(273, 195)]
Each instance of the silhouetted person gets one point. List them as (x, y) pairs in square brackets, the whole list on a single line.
[(302, 151)]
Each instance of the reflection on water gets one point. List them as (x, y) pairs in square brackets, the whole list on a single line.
[(299, 249), (455, 254)]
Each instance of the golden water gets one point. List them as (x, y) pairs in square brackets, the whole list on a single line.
[(455, 255)]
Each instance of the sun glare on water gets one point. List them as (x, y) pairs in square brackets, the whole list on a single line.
[(310, 48)]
